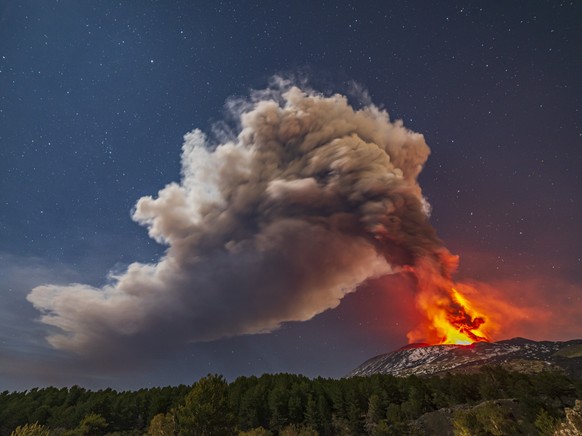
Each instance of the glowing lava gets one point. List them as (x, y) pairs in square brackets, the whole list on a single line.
[(450, 315), (461, 323), (450, 319)]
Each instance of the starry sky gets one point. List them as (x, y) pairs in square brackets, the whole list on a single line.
[(96, 96)]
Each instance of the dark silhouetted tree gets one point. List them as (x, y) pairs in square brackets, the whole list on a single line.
[(375, 413)]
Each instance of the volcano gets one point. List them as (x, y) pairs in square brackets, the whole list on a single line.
[(516, 354)]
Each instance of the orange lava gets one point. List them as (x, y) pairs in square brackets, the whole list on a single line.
[(461, 323), (450, 319), (450, 315)]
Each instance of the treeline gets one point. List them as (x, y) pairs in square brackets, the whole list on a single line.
[(292, 404)]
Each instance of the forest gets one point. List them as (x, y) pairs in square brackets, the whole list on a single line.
[(490, 401)]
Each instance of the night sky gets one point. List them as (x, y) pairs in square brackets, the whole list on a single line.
[(96, 96)]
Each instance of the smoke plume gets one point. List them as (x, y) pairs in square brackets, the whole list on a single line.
[(310, 199)]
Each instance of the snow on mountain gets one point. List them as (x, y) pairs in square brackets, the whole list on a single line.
[(518, 353)]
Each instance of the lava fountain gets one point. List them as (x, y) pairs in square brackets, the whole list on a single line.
[(450, 316)]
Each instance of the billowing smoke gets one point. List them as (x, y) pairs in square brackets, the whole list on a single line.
[(279, 223)]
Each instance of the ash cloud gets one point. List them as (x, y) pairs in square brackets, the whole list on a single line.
[(309, 200)]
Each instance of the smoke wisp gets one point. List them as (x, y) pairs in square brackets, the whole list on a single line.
[(309, 200)]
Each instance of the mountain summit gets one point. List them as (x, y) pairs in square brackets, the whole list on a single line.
[(517, 354)]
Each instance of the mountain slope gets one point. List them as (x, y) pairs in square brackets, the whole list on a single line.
[(517, 354)]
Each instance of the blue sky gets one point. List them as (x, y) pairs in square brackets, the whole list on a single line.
[(95, 98)]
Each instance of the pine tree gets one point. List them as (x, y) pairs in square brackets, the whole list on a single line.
[(206, 410), (374, 414)]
